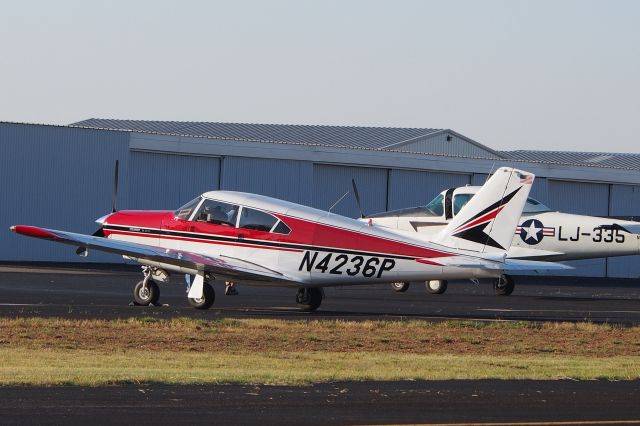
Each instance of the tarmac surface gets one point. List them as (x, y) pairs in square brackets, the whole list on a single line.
[(105, 292), (453, 402)]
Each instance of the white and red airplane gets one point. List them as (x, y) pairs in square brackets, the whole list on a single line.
[(259, 240)]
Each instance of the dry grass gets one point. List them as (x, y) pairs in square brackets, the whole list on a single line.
[(409, 337), (57, 351)]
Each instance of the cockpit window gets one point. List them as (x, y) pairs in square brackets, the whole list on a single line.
[(256, 220), (535, 206), (281, 228), (217, 213), (459, 201), (436, 206), (184, 212)]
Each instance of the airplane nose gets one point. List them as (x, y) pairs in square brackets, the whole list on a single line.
[(102, 220)]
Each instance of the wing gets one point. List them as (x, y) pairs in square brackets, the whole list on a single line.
[(219, 266), (498, 264)]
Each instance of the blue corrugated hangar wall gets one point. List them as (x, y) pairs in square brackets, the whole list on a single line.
[(61, 177)]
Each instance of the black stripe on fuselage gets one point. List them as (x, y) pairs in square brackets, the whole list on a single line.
[(163, 232)]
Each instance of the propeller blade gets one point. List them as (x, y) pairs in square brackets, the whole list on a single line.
[(115, 188), (355, 192)]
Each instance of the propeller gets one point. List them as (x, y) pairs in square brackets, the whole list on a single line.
[(82, 251), (115, 187), (355, 192)]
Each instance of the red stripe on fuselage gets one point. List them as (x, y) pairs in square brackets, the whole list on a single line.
[(303, 232), (197, 240)]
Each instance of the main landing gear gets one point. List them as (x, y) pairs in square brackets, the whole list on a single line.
[(503, 286), (309, 299)]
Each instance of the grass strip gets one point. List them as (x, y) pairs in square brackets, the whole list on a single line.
[(81, 367), (51, 351)]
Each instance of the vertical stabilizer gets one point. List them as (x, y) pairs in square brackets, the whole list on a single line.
[(488, 221)]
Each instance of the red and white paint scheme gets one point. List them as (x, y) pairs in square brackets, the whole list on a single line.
[(259, 240)]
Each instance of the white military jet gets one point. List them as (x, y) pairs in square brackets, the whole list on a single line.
[(541, 234), (237, 236)]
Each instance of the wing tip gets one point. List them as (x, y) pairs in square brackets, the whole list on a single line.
[(33, 231)]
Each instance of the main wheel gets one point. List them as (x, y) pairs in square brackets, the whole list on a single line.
[(400, 287), (436, 286), (504, 285), (146, 295), (207, 299), (309, 299)]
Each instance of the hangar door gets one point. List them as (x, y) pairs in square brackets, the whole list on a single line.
[(285, 179), (581, 198), (625, 202), (409, 188), (167, 181), (332, 182)]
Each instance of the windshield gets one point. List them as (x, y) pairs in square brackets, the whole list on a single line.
[(459, 201), (184, 212), (435, 206), (535, 206)]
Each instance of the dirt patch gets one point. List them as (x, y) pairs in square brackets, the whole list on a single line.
[(414, 337)]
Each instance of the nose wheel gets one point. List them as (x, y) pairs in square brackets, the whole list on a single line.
[(146, 293)]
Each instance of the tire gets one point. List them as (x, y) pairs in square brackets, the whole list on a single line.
[(207, 299), (399, 286), (436, 286), (309, 299), (504, 285), (146, 296)]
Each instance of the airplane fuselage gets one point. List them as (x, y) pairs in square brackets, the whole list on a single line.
[(321, 248)]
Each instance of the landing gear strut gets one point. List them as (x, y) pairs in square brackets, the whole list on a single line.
[(146, 292), (504, 285), (400, 287), (309, 299)]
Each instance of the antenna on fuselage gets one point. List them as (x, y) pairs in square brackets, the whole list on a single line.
[(337, 202)]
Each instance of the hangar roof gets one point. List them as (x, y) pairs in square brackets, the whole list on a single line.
[(342, 136), (377, 138), (588, 159)]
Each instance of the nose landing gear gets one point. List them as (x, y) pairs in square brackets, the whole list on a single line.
[(146, 292)]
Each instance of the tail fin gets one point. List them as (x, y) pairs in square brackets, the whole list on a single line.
[(488, 221)]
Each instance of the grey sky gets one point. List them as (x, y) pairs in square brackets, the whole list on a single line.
[(510, 74)]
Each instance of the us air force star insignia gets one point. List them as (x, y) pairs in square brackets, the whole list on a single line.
[(532, 231)]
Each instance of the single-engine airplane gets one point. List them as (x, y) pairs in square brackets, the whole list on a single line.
[(541, 234), (259, 240)]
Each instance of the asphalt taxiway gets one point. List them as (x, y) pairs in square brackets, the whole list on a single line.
[(559, 402), (105, 292)]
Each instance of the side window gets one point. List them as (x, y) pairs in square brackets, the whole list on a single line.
[(256, 220), (217, 213), (459, 201), (282, 228), (184, 212)]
